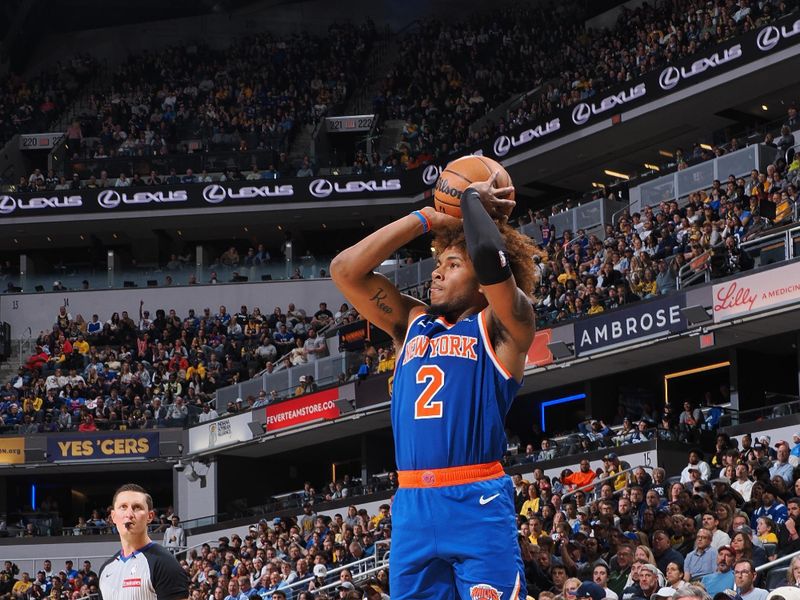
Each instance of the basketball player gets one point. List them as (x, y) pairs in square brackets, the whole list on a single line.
[(142, 569), (460, 362)]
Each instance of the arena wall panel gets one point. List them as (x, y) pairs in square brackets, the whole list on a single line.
[(38, 311)]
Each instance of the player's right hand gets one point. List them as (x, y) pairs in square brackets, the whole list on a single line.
[(493, 198)]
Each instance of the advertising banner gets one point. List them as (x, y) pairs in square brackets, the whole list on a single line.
[(539, 354), (12, 450), (221, 432), (353, 335), (641, 321), (766, 41), (192, 196), (311, 407), (755, 293), (106, 446)]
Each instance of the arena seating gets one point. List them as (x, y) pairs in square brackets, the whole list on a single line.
[(742, 495), (31, 105), (160, 370), (641, 255), (479, 63), (193, 98), (608, 525)]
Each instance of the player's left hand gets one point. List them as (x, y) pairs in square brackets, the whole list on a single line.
[(493, 198), (440, 221)]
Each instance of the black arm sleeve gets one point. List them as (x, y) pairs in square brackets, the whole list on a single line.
[(485, 245)]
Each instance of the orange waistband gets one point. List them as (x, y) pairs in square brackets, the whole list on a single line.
[(449, 475)]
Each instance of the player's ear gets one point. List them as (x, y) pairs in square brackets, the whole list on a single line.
[(151, 514)]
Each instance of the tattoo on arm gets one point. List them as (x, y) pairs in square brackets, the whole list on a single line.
[(379, 298)]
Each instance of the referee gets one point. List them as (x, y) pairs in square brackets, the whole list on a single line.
[(142, 569)]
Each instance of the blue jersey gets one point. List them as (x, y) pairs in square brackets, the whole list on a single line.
[(450, 395)]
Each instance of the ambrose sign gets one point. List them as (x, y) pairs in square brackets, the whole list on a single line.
[(642, 321), (755, 293)]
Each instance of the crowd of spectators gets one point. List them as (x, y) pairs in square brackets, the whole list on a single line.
[(246, 97), (631, 532), (32, 104), (689, 426), (451, 74), (640, 257), (160, 370), (284, 558), (635, 533)]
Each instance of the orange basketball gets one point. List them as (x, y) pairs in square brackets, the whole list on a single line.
[(457, 176)]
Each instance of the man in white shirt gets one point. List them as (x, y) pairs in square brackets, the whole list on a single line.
[(718, 538), (743, 485), (744, 575), (600, 577), (55, 381), (314, 345), (695, 462), (175, 536), (208, 414)]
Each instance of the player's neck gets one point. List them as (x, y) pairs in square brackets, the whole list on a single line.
[(455, 316), (131, 544)]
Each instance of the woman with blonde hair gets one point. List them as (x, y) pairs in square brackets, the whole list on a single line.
[(570, 589), (644, 553), (725, 516), (793, 574)]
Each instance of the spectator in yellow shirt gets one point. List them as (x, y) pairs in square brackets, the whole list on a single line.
[(383, 515), (81, 345), (531, 505), (595, 307), (196, 367), (385, 360), (20, 589)]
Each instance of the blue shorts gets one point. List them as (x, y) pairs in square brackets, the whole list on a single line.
[(456, 541)]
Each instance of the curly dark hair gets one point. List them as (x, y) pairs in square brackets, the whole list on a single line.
[(519, 247)]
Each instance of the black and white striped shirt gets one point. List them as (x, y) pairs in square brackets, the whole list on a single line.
[(150, 573)]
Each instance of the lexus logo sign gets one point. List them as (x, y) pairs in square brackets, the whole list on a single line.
[(7, 205), (108, 199), (320, 188), (768, 38), (430, 174), (581, 113), (214, 194), (669, 78), (502, 145)]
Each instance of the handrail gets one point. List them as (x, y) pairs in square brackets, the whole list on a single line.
[(186, 549), (688, 273), (360, 575), (373, 558), (777, 561), (782, 233), (25, 344), (36, 560), (597, 482)]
